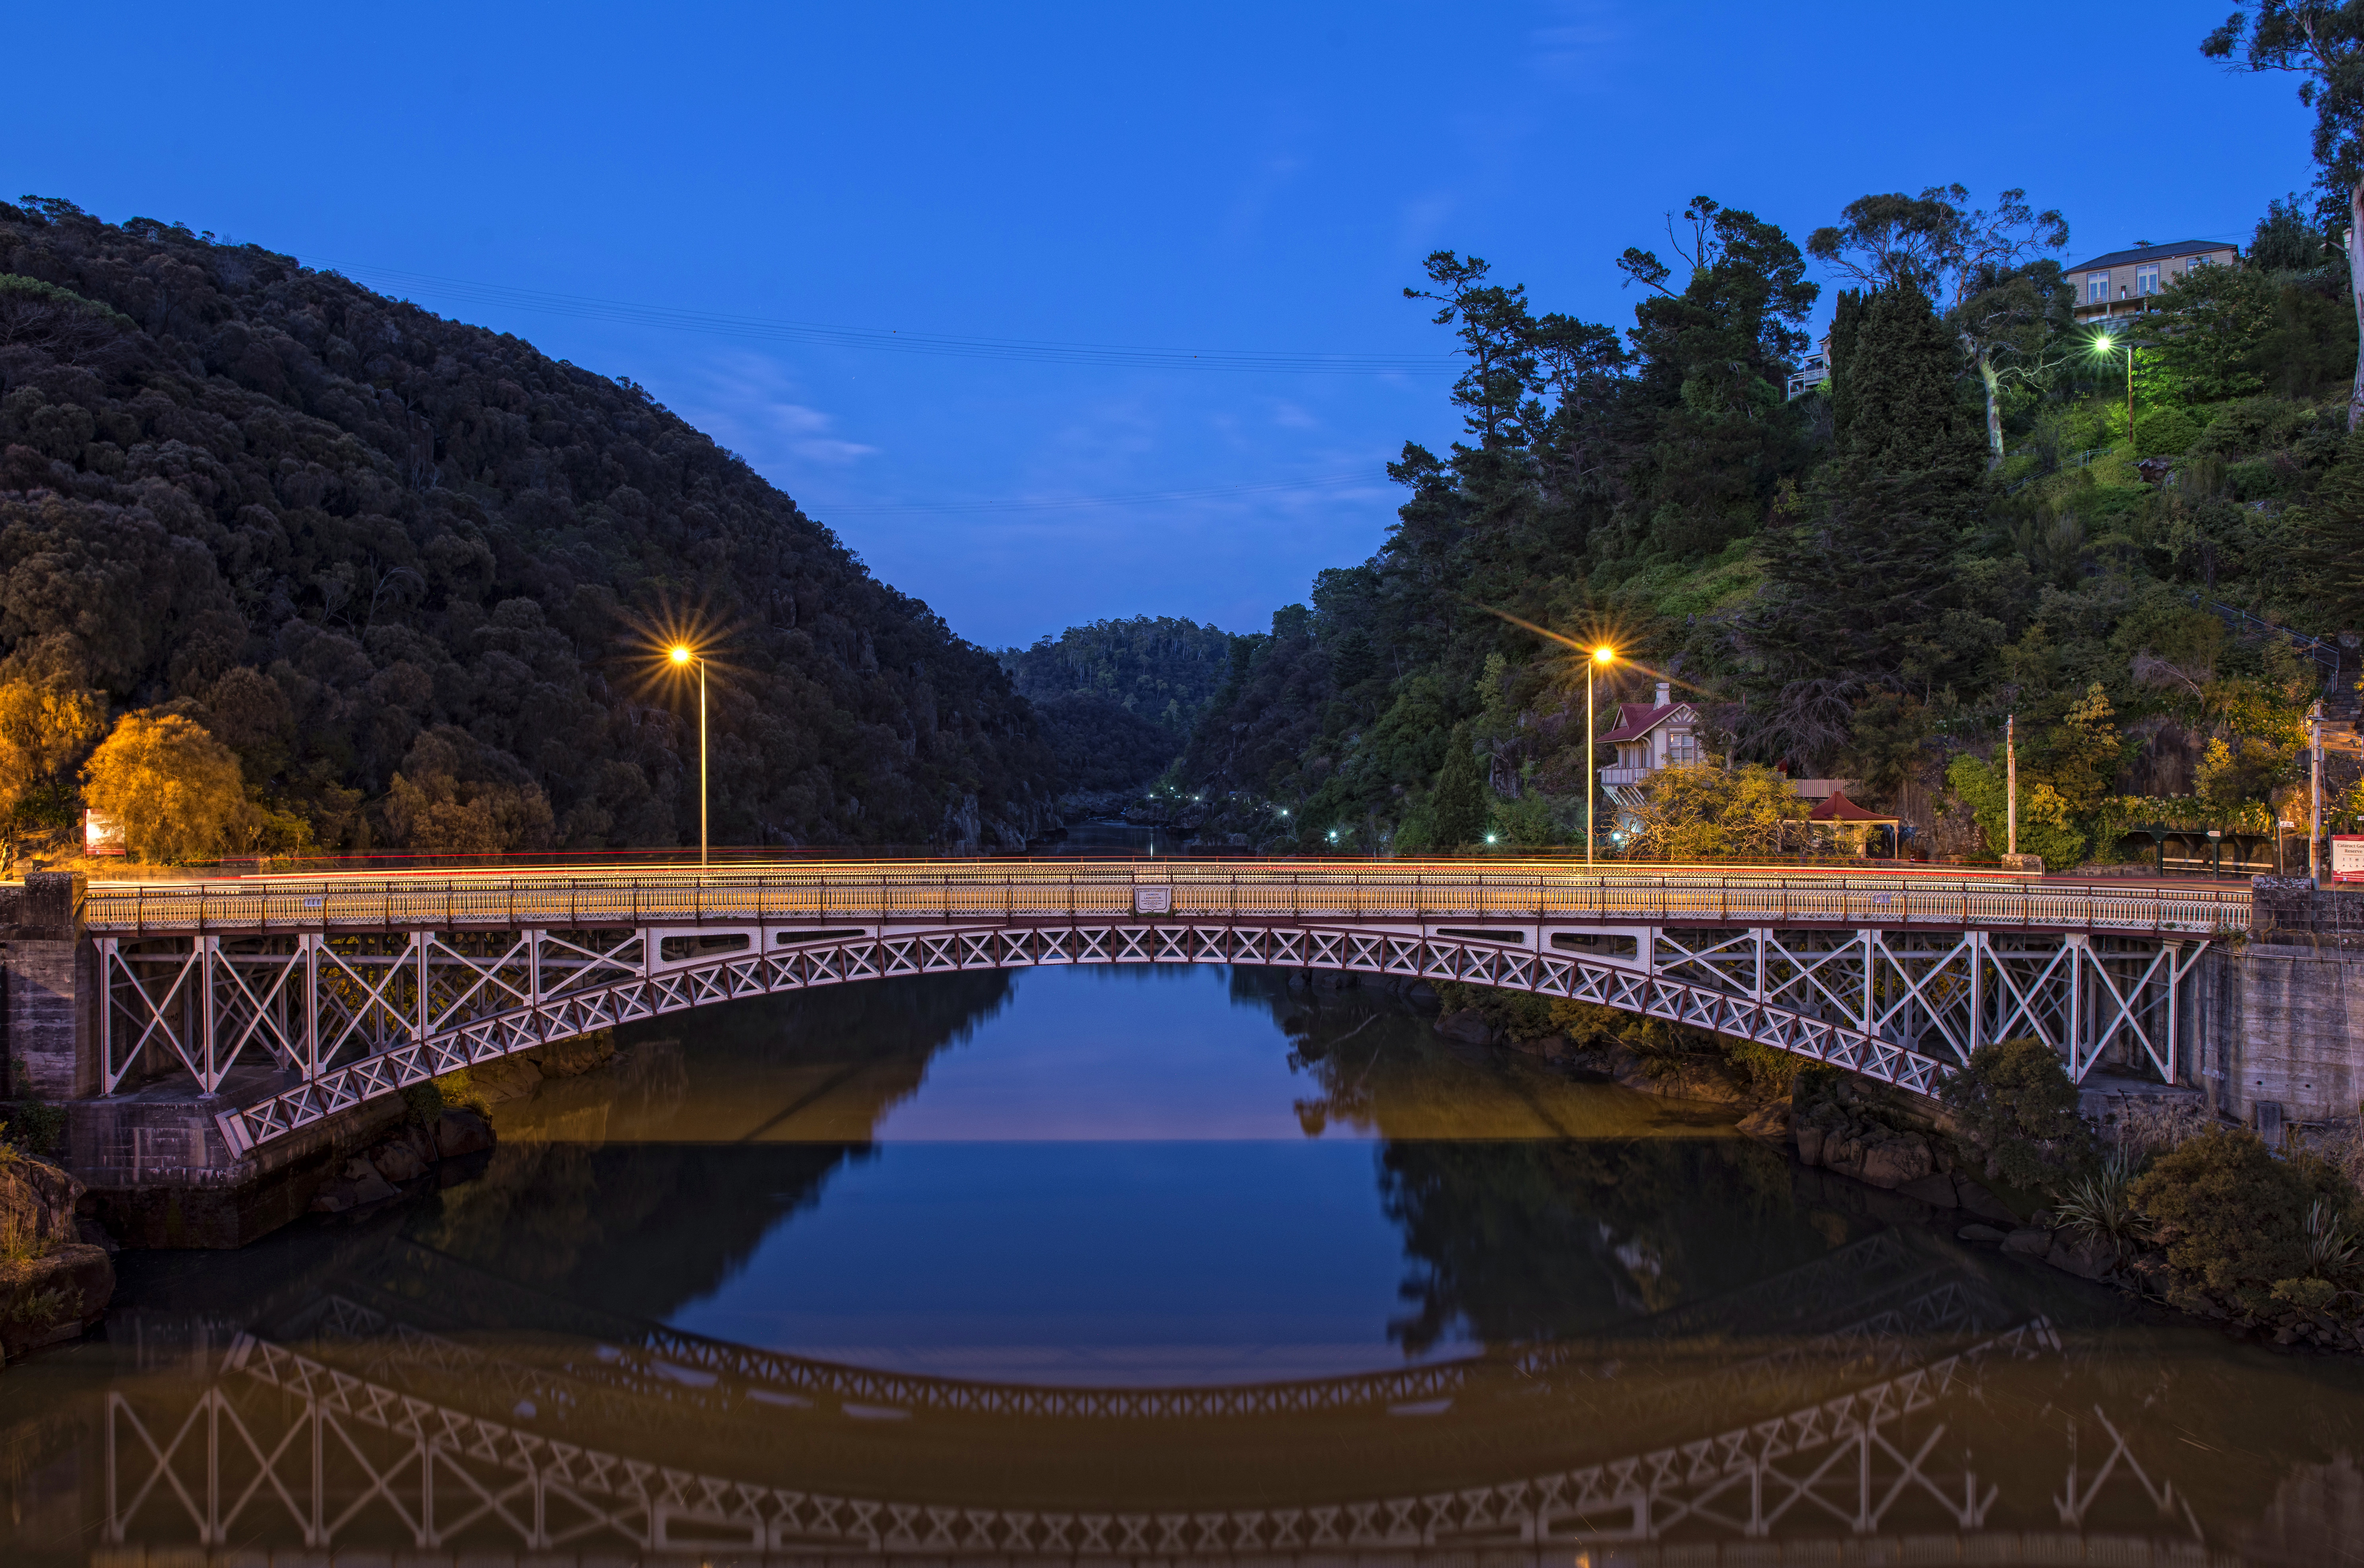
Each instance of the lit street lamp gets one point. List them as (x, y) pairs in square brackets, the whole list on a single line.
[(2104, 345), (682, 657), (1602, 657)]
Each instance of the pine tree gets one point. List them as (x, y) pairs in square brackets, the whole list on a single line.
[(1858, 586), (1458, 808)]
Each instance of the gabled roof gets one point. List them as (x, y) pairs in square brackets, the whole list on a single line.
[(2155, 253), (1635, 719), (1839, 808)]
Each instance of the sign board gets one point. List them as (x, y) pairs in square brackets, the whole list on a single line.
[(1152, 900), (2347, 857), (101, 834)]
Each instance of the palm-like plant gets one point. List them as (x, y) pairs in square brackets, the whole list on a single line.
[(2330, 1251), (2101, 1206)]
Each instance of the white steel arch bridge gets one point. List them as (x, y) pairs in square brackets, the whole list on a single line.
[(345, 989)]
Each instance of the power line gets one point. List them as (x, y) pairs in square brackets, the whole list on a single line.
[(1089, 502), (892, 339)]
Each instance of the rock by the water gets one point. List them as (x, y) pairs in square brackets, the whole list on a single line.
[(2028, 1240), (462, 1132), (54, 1284), (36, 1203), (1980, 1233), (2088, 1257), (1770, 1123), (56, 1295), (1466, 1024)]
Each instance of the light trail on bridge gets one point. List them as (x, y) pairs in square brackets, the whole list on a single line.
[(326, 992)]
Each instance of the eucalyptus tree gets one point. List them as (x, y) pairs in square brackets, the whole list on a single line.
[(2322, 44), (1985, 269)]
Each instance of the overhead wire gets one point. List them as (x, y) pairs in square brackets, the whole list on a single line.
[(888, 340)]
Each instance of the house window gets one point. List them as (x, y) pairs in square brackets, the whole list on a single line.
[(1683, 749), (2147, 279), (2097, 288)]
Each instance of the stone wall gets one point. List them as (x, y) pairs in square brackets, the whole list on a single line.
[(46, 970), (2282, 1028)]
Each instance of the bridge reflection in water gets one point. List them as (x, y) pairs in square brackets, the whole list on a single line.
[(1887, 1398), (1817, 1378)]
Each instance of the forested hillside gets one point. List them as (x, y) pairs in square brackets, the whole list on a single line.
[(1118, 697), (1864, 581), (411, 573)]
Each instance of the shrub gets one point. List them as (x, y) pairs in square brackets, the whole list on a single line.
[(2165, 432), (2018, 1102), (2233, 1220)]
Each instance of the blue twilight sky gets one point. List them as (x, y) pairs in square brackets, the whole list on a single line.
[(1258, 179)]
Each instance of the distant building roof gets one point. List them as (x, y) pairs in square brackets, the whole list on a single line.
[(2154, 253), (1839, 808), (1635, 719)]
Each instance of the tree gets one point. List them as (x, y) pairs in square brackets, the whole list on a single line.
[(2332, 544), (1495, 331), (1855, 588), (2284, 241), (455, 794), (2321, 41), (2002, 300), (1457, 812), (2046, 830), (2020, 1105), (2207, 330), (1698, 812), (44, 731), (1725, 340), (175, 790)]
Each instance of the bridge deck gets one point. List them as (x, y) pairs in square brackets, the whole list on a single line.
[(1022, 892)]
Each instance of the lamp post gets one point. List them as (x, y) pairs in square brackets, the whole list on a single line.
[(2105, 345), (2011, 785), (682, 657), (1602, 657)]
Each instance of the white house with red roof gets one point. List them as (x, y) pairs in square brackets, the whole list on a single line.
[(1650, 736)]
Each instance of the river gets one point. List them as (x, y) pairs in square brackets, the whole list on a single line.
[(1156, 1263)]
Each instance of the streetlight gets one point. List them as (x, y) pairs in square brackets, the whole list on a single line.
[(2104, 345), (682, 657), (1602, 657)]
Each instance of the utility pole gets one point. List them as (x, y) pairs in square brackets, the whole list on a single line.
[(2314, 795), (2011, 785)]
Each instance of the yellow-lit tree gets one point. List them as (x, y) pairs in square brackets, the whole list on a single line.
[(44, 731), (1703, 813), (176, 790)]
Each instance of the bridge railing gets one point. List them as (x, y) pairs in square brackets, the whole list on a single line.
[(1006, 891)]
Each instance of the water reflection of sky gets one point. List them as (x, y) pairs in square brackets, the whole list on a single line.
[(1111, 1053), (1113, 1177), (1150, 1262)]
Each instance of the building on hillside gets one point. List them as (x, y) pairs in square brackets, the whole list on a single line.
[(2124, 282), (1813, 371), (1650, 736), (1665, 733)]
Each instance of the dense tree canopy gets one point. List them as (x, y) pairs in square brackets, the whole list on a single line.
[(361, 544), (1867, 579)]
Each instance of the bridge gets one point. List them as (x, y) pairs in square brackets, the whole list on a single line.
[(281, 1002)]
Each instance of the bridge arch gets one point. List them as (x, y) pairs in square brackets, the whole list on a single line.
[(482, 996)]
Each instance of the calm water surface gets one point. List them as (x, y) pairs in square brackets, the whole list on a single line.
[(1148, 1263)]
